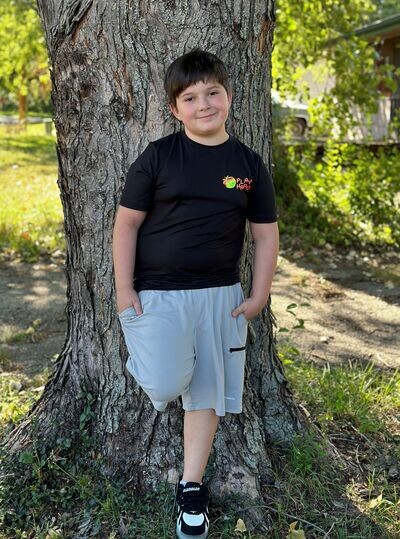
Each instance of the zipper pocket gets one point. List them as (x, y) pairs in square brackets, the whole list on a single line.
[(237, 349)]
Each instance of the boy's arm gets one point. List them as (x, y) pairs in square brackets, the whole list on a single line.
[(266, 241), (126, 226)]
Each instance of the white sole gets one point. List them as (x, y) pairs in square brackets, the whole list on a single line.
[(181, 535)]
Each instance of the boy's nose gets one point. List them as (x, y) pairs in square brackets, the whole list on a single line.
[(204, 104)]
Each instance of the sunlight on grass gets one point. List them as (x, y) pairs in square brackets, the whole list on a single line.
[(362, 395), (359, 406), (33, 333), (31, 217), (18, 394)]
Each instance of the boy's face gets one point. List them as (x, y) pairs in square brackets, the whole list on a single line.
[(203, 109)]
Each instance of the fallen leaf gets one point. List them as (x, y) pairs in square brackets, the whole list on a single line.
[(375, 501), (295, 534), (240, 526)]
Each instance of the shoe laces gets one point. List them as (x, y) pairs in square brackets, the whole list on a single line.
[(193, 501)]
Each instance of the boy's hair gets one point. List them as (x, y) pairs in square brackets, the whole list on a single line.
[(192, 67)]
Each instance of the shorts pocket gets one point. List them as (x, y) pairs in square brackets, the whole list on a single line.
[(242, 323), (129, 315), (237, 349), (241, 293), (239, 335)]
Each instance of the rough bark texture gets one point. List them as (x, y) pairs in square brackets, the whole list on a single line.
[(108, 61)]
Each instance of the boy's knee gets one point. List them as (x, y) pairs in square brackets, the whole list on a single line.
[(161, 393), (159, 388), (160, 406)]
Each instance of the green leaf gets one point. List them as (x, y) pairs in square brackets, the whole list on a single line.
[(26, 457)]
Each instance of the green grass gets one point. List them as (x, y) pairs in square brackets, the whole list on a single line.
[(364, 397), (357, 407), (31, 217), (33, 333), (64, 493), (18, 392), (14, 112)]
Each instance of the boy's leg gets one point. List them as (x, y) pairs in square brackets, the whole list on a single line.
[(199, 431), (160, 344)]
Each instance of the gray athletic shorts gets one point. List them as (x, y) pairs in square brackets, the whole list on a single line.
[(187, 343)]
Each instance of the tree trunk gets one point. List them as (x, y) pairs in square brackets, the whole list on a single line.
[(22, 107), (108, 61)]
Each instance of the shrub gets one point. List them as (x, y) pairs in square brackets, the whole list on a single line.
[(348, 195)]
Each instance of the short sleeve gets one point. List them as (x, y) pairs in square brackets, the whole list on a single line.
[(261, 206), (138, 190)]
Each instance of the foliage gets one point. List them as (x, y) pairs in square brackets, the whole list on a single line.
[(30, 208), (349, 196), (385, 8), (319, 38), (23, 55), (18, 394)]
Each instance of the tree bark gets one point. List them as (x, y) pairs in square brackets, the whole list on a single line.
[(21, 107), (108, 61)]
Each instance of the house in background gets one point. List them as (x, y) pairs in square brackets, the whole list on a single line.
[(380, 127), (383, 124)]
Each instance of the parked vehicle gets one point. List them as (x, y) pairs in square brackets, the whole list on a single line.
[(288, 108)]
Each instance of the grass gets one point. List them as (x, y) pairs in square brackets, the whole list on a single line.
[(361, 396), (64, 493), (357, 407), (31, 217), (32, 333), (18, 392), (14, 113)]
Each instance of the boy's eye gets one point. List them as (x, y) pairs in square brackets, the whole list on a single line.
[(188, 98), (214, 92)]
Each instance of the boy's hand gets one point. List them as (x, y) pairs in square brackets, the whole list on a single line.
[(250, 307), (128, 298)]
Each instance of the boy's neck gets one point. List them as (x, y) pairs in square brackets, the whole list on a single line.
[(208, 140)]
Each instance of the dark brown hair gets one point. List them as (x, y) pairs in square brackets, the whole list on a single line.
[(192, 67)]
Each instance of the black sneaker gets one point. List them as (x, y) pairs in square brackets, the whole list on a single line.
[(193, 521)]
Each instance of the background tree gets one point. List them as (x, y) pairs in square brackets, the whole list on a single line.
[(308, 32), (108, 62), (319, 39), (384, 8), (23, 57)]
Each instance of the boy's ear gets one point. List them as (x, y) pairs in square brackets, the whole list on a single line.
[(230, 96), (174, 110)]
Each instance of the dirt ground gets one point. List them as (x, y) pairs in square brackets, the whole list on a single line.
[(349, 306), (32, 315)]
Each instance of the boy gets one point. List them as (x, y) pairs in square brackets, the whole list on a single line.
[(179, 230)]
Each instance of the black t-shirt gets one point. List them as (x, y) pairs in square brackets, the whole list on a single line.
[(197, 198)]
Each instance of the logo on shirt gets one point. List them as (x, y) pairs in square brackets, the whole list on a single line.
[(230, 183)]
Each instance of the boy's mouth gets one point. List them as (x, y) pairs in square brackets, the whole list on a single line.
[(209, 116)]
